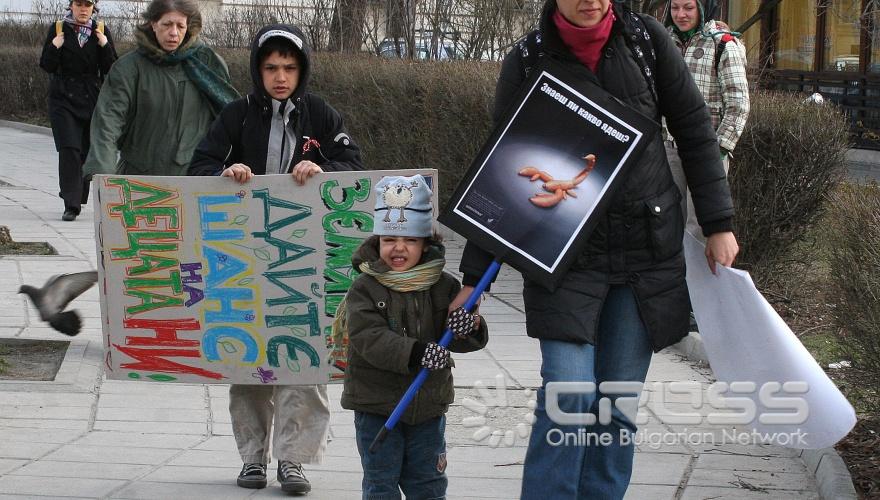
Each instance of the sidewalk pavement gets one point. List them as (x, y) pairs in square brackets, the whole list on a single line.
[(86, 437)]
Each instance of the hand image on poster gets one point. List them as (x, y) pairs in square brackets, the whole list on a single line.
[(530, 194)]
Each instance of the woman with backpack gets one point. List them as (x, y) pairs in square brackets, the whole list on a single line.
[(717, 61), (78, 54), (626, 297)]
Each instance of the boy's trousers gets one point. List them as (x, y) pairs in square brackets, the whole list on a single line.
[(301, 414)]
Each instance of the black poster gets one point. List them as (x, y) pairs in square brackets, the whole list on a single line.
[(534, 192)]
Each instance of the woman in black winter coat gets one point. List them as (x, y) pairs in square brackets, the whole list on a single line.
[(77, 54), (626, 295)]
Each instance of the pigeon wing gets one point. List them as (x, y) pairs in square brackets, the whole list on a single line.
[(61, 289)]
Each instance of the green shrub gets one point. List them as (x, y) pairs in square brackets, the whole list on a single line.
[(854, 258), (23, 85), (790, 157)]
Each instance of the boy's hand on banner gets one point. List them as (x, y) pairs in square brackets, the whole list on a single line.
[(303, 170), (462, 323), (238, 171), (58, 41), (721, 248), (436, 357), (102, 38)]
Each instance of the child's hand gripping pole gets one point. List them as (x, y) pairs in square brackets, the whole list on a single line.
[(423, 373)]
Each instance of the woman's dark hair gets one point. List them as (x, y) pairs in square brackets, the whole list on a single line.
[(158, 8), (282, 46)]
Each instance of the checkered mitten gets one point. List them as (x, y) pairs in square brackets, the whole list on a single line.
[(461, 323), (435, 357)]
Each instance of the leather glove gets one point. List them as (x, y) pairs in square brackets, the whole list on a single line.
[(436, 357), (461, 323)]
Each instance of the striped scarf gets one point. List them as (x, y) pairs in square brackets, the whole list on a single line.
[(83, 31), (420, 277)]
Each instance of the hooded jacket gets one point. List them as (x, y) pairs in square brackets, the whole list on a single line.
[(721, 78), (638, 240), (152, 113), (384, 326), (241, 133), (77, 73)]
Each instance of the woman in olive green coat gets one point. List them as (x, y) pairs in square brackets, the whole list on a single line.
[(158, 101)]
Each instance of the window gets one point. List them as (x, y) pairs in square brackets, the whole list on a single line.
[(739, 11), (796, 42), (842, 35)]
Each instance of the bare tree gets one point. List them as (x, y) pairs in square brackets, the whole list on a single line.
[(347, 25)]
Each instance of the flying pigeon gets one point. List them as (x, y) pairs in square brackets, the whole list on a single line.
[(51, 300)]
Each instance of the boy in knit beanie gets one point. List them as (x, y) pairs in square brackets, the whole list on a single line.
[(396, 311)]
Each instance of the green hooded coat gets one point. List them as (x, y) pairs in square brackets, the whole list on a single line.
[(151, 112)]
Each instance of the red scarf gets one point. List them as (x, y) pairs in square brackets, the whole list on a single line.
[(585, 43)]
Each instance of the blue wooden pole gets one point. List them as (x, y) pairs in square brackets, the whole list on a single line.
[(423, 373)]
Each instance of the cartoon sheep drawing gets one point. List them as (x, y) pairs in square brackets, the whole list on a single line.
[(397, 196)]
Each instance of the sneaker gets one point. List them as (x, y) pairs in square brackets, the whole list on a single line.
[(292, 479), (252, 476), (69, 215)]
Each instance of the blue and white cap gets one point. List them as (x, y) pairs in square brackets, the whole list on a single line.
[(403, 207)]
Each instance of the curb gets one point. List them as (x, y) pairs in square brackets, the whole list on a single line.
[(27, 127), (832, 476)]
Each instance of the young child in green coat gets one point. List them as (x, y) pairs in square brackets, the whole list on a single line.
[(396, 312)]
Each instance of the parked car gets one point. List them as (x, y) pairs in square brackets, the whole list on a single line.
[(392, 48)]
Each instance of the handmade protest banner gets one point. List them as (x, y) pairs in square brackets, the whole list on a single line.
[(206, 280), (531, 193)]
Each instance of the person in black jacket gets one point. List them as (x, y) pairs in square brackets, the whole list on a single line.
[(626, 295), (278, 128), (78, 54)]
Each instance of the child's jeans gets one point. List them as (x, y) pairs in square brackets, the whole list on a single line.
[(302, 420), (412, 458)]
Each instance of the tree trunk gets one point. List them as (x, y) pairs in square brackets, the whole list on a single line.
[(347, 25)]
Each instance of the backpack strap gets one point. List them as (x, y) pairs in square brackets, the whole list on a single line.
[(530, 51), (719, 49), (638, 40), (59, 27)]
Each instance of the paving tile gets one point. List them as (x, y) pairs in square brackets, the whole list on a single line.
[(743, 463), (111, 454), (80, 425), (139, 440), (25, 450), (83, 470), (758, 479), (9, 464), (48, 412), (153, 415), (8, 435), (195, 475), (59, 486), (650, 491), (143, 490), (189, 428), (716, 493), (208, 458), (151, 401)]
